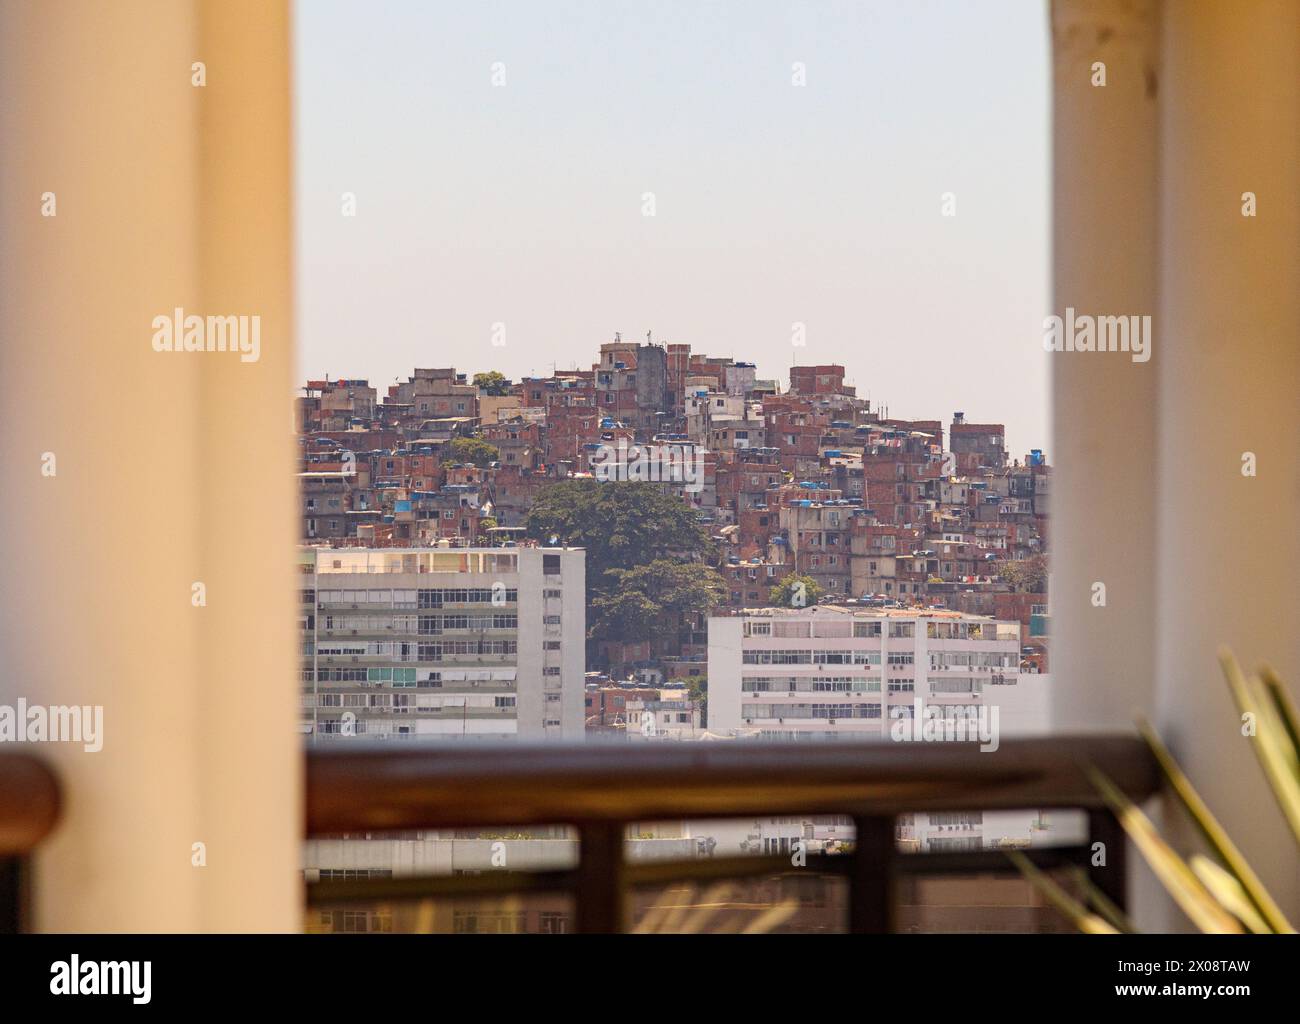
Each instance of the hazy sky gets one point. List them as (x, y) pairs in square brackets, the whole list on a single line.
[(774, 204)]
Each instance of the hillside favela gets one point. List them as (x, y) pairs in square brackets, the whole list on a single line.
[(669, 548)]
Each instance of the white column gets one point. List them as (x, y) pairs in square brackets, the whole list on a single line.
[(1228, 352), (170, 468), (1103, 452)]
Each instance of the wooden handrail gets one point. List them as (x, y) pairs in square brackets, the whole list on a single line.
[(363, 786), (29, 802)]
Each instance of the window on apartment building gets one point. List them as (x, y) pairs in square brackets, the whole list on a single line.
[(551, 565)]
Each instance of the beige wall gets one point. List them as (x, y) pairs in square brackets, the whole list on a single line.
[(490, 406)]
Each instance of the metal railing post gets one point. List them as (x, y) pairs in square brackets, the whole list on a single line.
[(1107, 865), (871, 878), (599, 893)]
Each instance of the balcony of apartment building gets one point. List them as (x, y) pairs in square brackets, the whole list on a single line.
[(201, 701)]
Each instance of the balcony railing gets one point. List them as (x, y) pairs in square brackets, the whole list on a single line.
[(358, 787), (600, 790), (29, 808)]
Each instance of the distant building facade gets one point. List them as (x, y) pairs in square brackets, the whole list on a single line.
[(443, 643)]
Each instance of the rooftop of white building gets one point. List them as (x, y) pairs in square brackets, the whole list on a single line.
[(860, 611)]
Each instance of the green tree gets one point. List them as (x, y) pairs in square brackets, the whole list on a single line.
[(653, 599), (697, 688), (795, 591), (493, 382), (622, 524), (471, 449), (627, 525), (1027, 576)]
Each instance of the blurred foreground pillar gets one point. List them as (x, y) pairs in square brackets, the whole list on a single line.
[(1104, 259), (1200, 106), (132, 475), (1229, 369)]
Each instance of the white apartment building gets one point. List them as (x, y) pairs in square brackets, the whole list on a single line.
[(841, 672), (833, 671), (443, 643)]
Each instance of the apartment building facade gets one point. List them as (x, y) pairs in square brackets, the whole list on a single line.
[(443, 643), (837, 671)]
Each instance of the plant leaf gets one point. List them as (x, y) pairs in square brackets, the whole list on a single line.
[(1115, 917), (1285, 710), (1229, 892), (1270, 744), (1180, 881), (1214, 833), (1074, 911)]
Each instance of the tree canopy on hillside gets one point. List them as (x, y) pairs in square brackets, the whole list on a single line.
[(637, 604), (795, 591), (473, 450), (622, 524), (493, 382)]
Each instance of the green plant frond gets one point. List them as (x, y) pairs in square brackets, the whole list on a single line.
[(1229, 892), (1286, 710), (1271, 743), (1214, 834), (1074, 911), (772, 918), (1103, 904), (1174, 874)]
